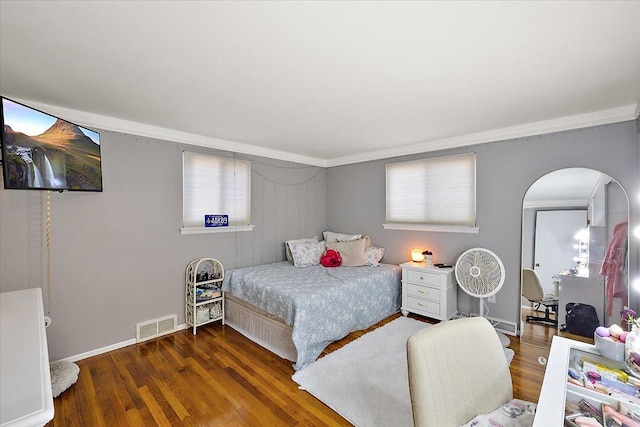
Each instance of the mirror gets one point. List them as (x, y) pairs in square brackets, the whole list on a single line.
[(574, 228)]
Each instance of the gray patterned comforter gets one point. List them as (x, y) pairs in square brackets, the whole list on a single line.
[(321, 304)]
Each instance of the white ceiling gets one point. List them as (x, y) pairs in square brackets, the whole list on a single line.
[(325, 83), (571, 187)]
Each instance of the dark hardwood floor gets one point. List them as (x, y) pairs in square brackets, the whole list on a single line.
[(218, 377)]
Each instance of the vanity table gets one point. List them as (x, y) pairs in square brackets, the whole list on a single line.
[(558, 391), (26, 398)]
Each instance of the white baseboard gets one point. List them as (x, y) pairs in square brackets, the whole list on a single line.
[(109, 348)]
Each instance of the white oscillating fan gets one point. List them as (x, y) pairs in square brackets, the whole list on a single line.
[(480, 273)]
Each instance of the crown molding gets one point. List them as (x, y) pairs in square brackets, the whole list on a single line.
[(90, 120), (614, 115), (556, 204), (98, 121)]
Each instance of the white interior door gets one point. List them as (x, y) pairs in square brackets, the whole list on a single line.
[(554, 242)]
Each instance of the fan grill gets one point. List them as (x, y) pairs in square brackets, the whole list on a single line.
[(480, 273)]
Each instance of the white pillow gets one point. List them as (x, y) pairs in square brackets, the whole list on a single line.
[(331, 237), (374, 255), (306, 254), (306, 239)]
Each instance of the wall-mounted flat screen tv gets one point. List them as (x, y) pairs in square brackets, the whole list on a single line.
[(43, 152)]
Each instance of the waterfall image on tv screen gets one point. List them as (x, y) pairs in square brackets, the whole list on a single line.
[(43, 152)]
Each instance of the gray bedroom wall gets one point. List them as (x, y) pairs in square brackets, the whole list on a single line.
[(504, 170), (118, 258), (528, 237)]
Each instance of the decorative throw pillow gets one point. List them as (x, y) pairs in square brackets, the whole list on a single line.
[(352, 252), (374, 255), (306, 254), (514, 413), (331, 258), (288, 251), (331, 237)]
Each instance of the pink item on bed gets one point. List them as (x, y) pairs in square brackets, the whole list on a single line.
[(331, 258)]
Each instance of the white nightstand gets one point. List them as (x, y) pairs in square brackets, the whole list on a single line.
[(429, 291)]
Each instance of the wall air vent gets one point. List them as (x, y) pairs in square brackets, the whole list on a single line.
[(156, 327), (504, 326)]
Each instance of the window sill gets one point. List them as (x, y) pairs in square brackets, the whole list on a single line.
[(439, 228), (207, 230)]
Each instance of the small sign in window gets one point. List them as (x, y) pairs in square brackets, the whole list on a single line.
[(216, 220)]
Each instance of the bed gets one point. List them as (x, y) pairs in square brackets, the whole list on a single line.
[(296, 312)]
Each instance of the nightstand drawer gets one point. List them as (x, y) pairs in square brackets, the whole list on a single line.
[(423, 306), (423, 277), (414, 290)]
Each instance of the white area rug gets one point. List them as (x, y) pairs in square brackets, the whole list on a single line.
[(366, 381)]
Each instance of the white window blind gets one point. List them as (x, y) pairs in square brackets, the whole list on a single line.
[(435, 191), (214, 185)]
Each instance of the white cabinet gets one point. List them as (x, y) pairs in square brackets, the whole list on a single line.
[(429, 291), (26, 398), (204, 296)]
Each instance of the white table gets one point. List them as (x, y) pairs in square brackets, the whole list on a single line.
[(25, 382)]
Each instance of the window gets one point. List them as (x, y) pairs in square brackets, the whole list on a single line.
[(215, 185), (435, 192)]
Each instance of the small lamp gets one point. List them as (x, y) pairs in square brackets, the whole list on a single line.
[(416, 255)]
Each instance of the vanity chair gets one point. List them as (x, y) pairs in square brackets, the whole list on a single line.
[(458, 374), (533, 291)]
